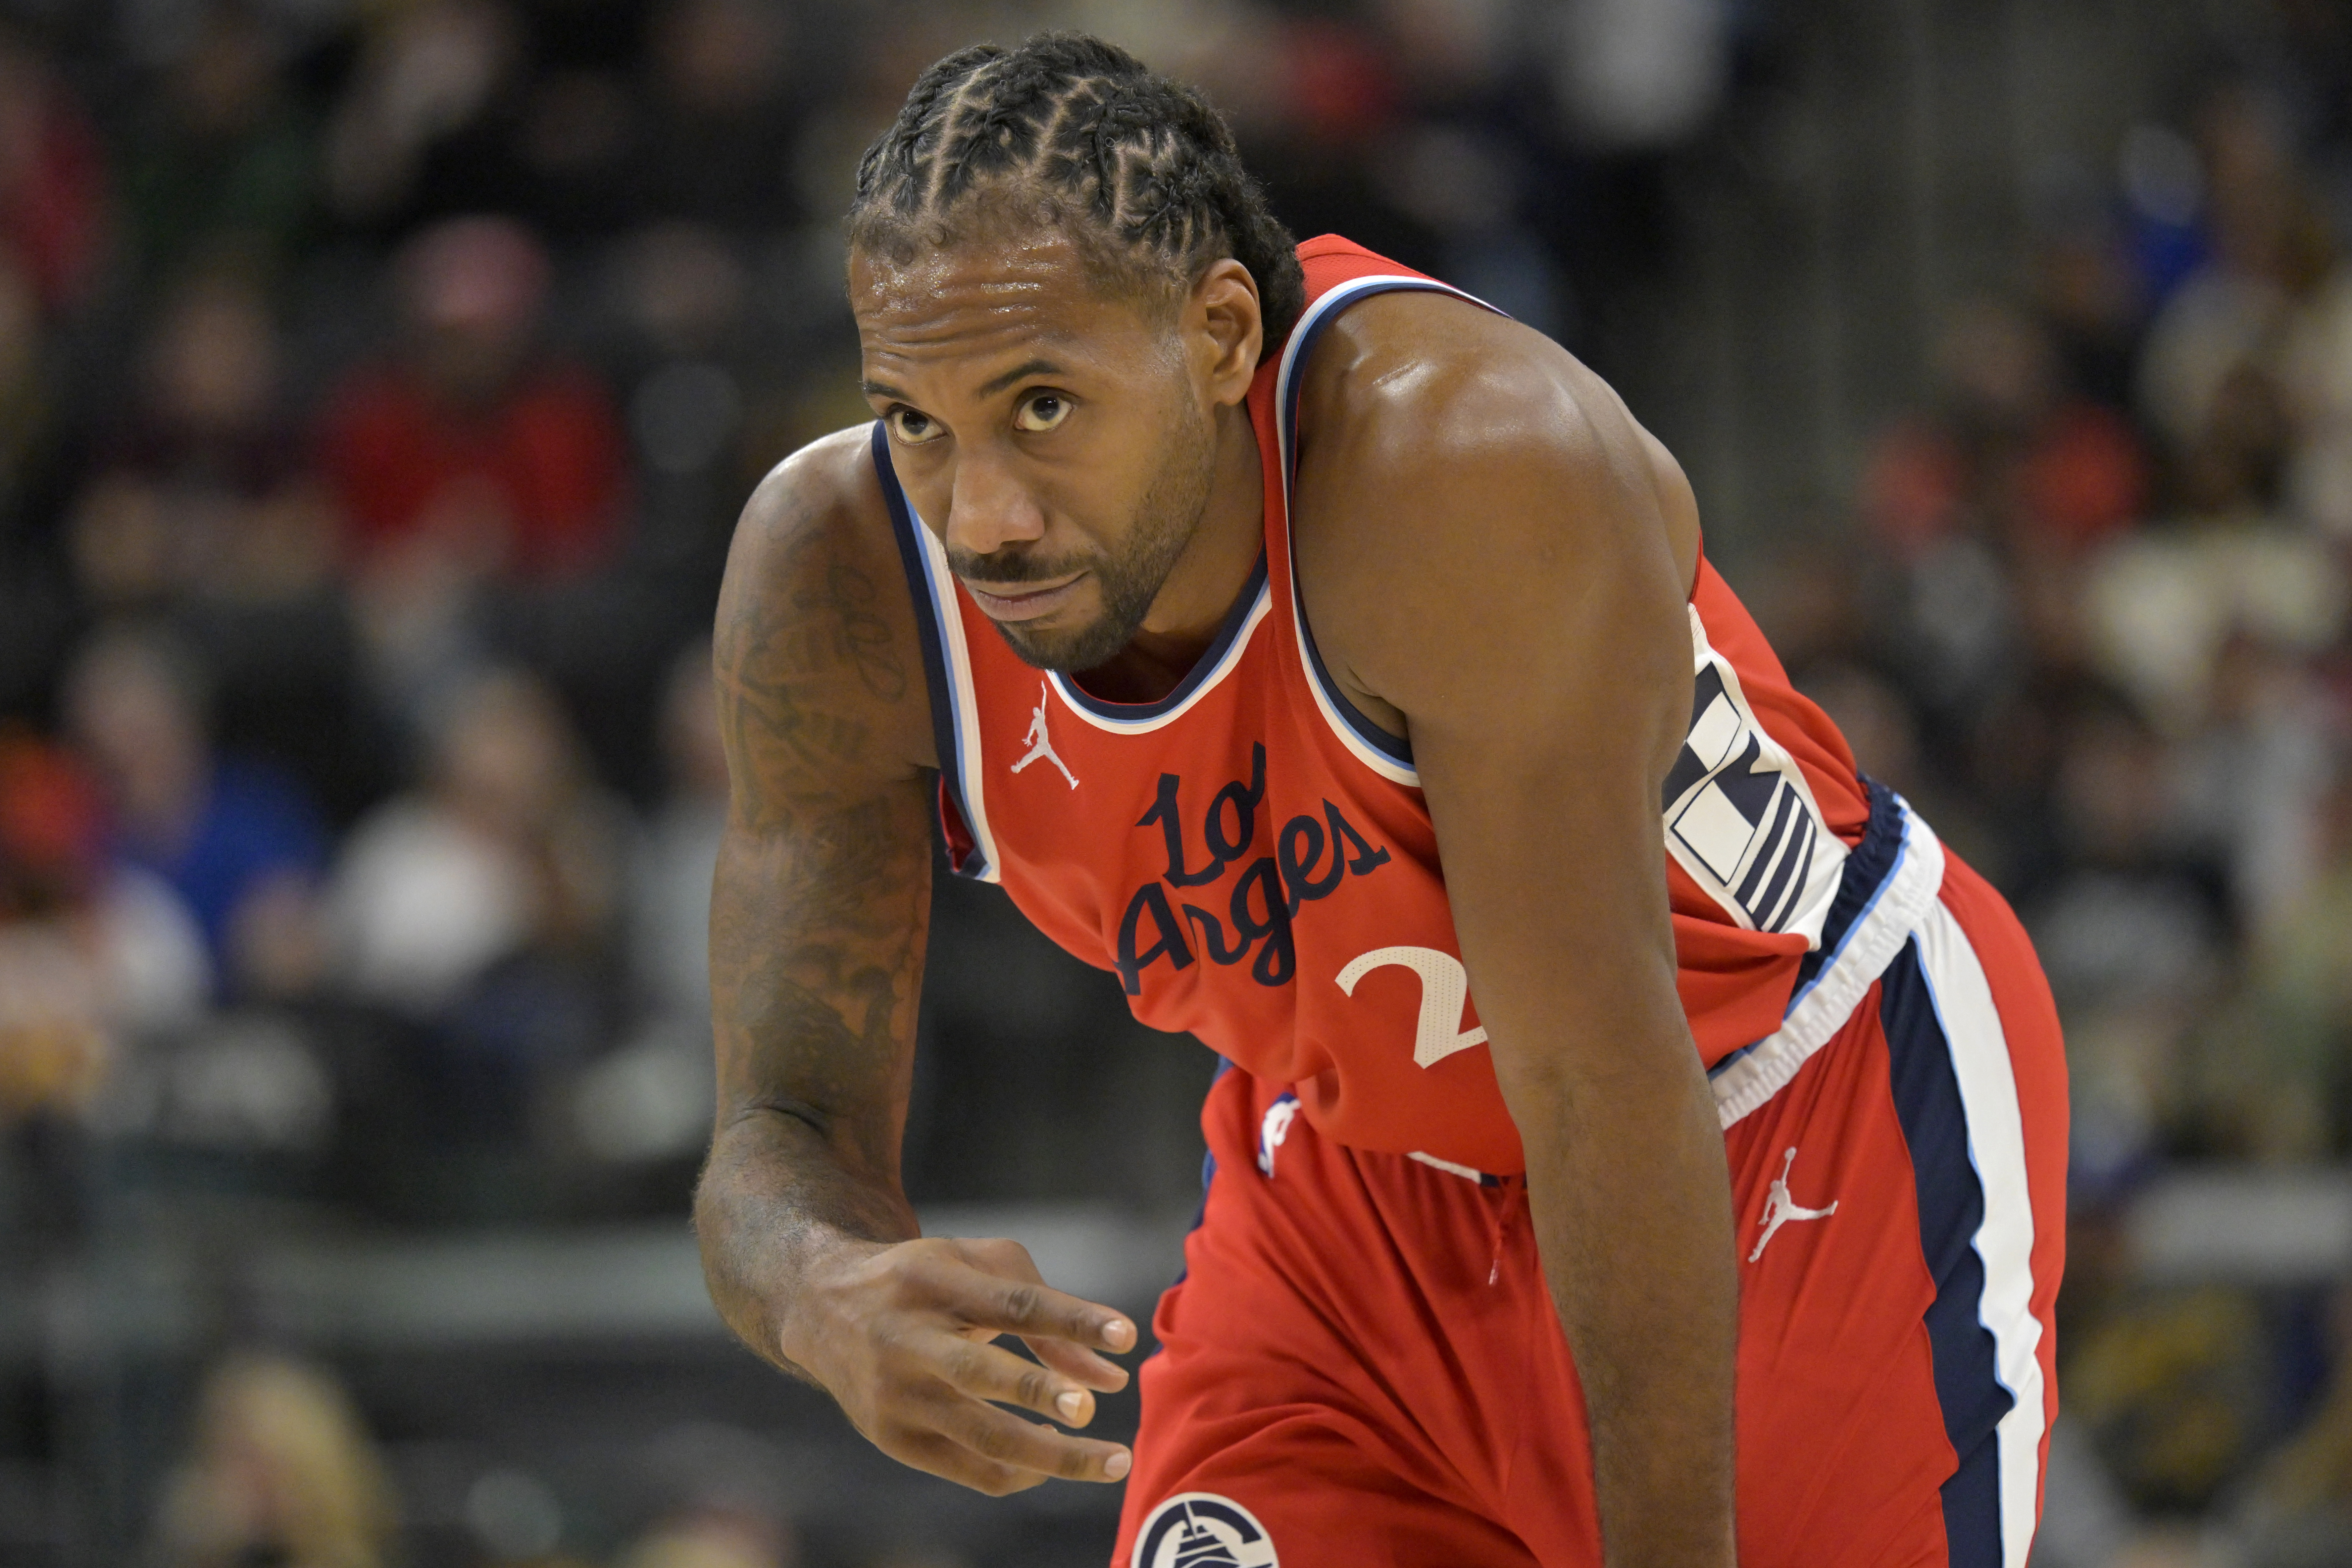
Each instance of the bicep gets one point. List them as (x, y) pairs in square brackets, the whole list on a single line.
[(1546, 692)]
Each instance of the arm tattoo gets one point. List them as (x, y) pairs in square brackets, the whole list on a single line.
[(817, 926), (788, 722)]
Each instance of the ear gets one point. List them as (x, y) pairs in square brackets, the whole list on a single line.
[(1226, 330)]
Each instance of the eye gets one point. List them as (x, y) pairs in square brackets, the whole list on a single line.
[(911, 426), (1041, 411)]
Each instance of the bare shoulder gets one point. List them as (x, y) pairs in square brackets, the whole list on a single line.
[(1456, 459), (819, 665), (823, 500)]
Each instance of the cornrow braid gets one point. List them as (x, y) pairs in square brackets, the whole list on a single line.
[(1140, 171)]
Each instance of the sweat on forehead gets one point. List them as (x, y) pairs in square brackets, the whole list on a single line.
[(1011, 245)]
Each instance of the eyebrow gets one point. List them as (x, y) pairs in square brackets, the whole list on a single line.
[(994, 384), (1020, 373)]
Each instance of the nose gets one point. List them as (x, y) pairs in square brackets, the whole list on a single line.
[(989, 508)]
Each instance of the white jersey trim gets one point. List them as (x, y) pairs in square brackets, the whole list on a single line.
[(1217, 673), (1906, 900), (1302, 337), (963, 695)]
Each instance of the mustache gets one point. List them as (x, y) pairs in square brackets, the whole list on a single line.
[(1009, 568)]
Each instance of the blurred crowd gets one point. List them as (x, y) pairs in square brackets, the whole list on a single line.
[(379, 382), (2096, 627), (378, 386)]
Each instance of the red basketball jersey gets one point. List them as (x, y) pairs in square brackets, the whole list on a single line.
[(1254, 860)]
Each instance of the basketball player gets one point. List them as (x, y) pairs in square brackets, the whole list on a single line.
[(1641, 1141)]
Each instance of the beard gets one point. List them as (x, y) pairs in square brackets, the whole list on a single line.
[(1129, 576)]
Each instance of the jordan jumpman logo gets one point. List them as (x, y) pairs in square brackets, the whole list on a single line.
[(1779, 1210), (1041, 742)]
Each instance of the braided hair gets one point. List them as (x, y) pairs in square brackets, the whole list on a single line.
[(1071, 132)]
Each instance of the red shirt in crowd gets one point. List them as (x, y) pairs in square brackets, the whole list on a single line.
[(548, 458)]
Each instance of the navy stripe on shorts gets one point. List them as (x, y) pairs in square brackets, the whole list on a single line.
[(1951, 1210)]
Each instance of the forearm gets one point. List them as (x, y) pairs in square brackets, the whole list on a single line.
[(1631, 1208), (775, 1203), (818, 936)]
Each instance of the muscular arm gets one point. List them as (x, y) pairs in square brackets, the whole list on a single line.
[(819, 910), (1509, 589), (817, 925)]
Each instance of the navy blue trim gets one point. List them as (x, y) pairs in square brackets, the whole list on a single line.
[(1926, 1094), (1208, 1174), (927, 611), (1397, 750), (1867, 866), (1236, 620)]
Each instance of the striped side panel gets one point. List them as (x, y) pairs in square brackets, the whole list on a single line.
[(1957, 1097)]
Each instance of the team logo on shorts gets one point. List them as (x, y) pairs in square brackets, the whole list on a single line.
[(1202, 1530)]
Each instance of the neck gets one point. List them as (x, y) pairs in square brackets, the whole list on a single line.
[(1193, 605)]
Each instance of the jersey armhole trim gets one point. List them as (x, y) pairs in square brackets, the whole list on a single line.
[(947, 667), (1385, 754)]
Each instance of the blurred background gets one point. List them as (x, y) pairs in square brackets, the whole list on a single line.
[(380, 380)]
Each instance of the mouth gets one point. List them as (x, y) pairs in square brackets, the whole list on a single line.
[(1030, 604)]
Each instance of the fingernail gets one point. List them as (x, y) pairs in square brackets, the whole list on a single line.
[(1119, 1332), (1118, 1464), (1069, 1404)]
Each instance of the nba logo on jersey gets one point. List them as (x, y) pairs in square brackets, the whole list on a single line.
[(1202, 1530), (1740, 818)]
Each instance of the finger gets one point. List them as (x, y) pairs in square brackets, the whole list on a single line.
[(990, 1372), (1015, 1301), (950, 1460), (1004, 1438), (1078, 1365)]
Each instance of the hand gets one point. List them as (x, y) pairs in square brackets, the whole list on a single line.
[(901, 1334)]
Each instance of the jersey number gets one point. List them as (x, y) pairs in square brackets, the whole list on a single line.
[(1444, 987)]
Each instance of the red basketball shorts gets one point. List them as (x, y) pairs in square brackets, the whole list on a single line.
[(1362, 1367)]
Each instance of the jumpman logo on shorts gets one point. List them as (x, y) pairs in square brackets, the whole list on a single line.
[(1779, 1210), (1040, 740)]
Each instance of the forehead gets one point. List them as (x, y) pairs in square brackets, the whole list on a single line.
[(984, 299)]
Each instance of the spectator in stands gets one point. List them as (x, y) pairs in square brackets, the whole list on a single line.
[(282, 1470), (2160, 606), (238, 843), (715, 1537), (471, 459), (721, 147), (473, 444), (2301, 1507), (221, 153), (2011, 452), (2133, 938), (670, 893), (721, 1490), (24, 401), (2276, 1064), (52, 180), (428, 75), (482, 904), (2315, 370), (89, 958), (201, 492), (651, 1100), (2271, 250), (507, 846)]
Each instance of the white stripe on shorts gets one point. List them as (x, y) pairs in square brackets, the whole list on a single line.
[(2004, 1241)]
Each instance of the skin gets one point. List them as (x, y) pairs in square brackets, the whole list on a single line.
[(1471, 500)]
